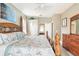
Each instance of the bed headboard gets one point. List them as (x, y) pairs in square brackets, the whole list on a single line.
[(9, 27)]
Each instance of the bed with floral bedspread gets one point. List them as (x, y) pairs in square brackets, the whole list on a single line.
[(30, 46)]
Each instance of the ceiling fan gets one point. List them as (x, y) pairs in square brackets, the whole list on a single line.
[(43, 5)]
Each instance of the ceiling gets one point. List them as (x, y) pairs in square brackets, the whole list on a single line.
[(42, 9)]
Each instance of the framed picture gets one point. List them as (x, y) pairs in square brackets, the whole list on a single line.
[(64, 23), (7, 12)]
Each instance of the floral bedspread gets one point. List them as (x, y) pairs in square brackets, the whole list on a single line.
[(30, 46)]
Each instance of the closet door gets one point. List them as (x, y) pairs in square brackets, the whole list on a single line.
[(33, 27)]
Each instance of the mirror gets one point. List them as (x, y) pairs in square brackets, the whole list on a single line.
[(74, 25)]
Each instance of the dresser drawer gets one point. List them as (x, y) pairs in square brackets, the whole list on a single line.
[(74, 51), (71, 43)]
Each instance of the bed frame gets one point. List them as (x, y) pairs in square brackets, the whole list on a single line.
[(10, 26)]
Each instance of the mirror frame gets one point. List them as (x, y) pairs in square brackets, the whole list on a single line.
[(72, 19)]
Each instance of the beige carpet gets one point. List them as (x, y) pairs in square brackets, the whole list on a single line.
[(64, 52)]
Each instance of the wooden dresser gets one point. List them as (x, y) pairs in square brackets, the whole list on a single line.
[(71, 43)]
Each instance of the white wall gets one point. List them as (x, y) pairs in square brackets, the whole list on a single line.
[(48, 27), (43, 20), (56, 20), (69, 13)]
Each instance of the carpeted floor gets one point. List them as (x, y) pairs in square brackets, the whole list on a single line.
[(64, 52)]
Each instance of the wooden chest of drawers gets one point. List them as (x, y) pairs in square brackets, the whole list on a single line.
[(71, 43)]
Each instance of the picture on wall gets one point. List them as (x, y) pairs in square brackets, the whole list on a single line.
[(7, 13), (64, 23)]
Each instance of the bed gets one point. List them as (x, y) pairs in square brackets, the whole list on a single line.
[(16, 43)]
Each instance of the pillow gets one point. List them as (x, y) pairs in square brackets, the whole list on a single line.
[(5, 38), (3, 29), (7, 29), (15, 29), (1, 41), (9, 37), (14, 36), (20, 35)]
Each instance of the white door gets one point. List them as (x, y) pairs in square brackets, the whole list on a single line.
[(33, 27)]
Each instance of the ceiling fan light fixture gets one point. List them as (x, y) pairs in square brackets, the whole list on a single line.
[(42, 6)]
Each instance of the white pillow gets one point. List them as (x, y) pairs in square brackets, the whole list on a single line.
[(1, 41), (13, 36), (20, 35), (9, 37), (5, 38)]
